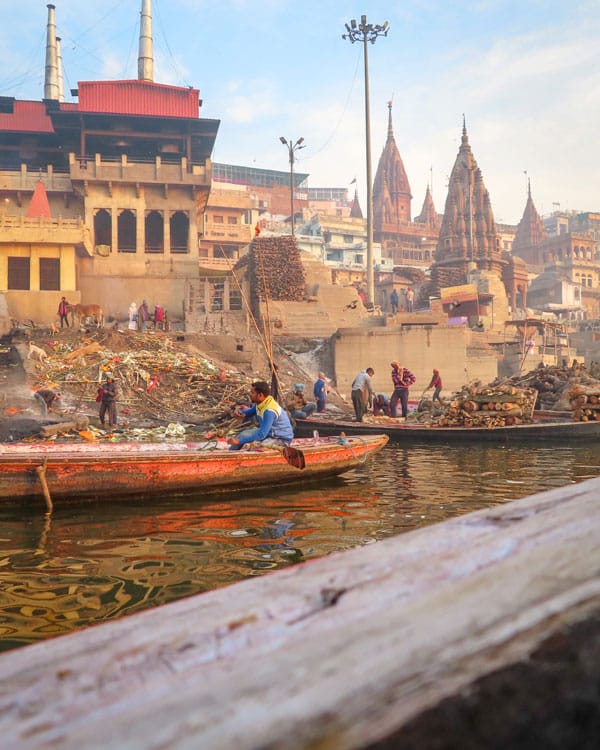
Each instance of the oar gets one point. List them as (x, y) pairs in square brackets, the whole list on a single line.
[(294, 457)]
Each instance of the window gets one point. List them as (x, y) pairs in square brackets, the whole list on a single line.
[(126, 231), (348, 239), (18, 273), (218, 220), (154, 233), (180, 229), (103, 228), (50, 274), (232, 219)]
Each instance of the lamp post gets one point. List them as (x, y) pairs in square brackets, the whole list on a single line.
[(292, 148), (366, 32)]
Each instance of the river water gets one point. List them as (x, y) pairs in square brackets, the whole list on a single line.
[(92, 562)]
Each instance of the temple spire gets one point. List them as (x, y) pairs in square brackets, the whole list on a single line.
[(391, 189), (465, 137)]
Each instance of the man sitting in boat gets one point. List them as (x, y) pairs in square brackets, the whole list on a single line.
[(297, 405), (274, 426)]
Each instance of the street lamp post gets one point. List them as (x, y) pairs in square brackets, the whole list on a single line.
[(366, 32), (292, 148)]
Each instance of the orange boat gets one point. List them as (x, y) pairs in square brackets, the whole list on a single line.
[(113, 470)]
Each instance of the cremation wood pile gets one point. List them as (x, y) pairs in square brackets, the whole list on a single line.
[(475, 405), (585, 402), (574, 389), (276, 269), (489, 406)]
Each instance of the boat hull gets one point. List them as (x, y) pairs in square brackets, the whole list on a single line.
[(542, 430), (93, 470)]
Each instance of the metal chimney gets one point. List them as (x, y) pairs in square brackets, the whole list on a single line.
[(61, 80), (51, 75), (145, 57)]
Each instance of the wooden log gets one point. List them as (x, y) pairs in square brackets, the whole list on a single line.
[(79, 423), (491, 639)]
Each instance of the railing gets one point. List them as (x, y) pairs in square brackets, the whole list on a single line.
[(23, 222), (138, 170)]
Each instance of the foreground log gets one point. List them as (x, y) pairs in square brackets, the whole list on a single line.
[(483, 631), (78, 423)]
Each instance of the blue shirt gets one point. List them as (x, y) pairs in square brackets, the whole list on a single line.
[(273, 422)]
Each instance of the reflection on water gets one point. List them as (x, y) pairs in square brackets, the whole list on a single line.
[(91, 562)]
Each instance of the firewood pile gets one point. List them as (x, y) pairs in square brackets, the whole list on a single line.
[(276, 270), (477, 405), (489, 406), (563, 388), (585, 402)]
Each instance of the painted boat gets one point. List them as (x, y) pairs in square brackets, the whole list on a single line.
[(107, 470), (548, 429)]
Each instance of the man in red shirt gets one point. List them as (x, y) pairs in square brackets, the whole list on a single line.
[(402, 380), (436, 383)]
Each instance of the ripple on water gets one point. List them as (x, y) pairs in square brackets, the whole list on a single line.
[(96, 562)]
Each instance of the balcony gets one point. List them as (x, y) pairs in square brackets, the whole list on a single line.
[(24, 180), (20, 229), (97, 169)]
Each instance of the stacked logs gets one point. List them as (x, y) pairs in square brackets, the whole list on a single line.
[(585, 402), (555, 385), (276, 271), (489, 406)]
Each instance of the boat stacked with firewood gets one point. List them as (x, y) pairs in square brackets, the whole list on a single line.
[(498, 412)]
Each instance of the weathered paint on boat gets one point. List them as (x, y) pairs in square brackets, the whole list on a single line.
[(552, 430), (94, 470)]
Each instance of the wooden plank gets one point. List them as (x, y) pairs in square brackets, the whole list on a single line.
[(342, 652)]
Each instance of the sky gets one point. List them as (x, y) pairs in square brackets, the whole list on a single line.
[(525, 74)]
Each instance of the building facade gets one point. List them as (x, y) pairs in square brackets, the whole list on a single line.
[(129, 164)]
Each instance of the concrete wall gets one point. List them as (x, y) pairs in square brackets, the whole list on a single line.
[(119, 279), (418, 349)]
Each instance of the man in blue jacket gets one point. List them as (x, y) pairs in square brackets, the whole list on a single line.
[(274, 426)]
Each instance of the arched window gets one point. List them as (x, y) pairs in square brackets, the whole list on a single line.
[(103, 228), (155, 234), (180, 229), (126, 231)]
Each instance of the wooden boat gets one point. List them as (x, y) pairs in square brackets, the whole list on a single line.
[(106, 470), (549, 429)]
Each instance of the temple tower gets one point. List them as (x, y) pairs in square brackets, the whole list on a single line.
[(530, 233), (429, 216), (468, 239), (391, 189)]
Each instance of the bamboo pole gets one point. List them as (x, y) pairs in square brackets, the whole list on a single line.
[(41, 472)]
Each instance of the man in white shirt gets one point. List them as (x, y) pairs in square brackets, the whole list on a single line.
[(362, 393)]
